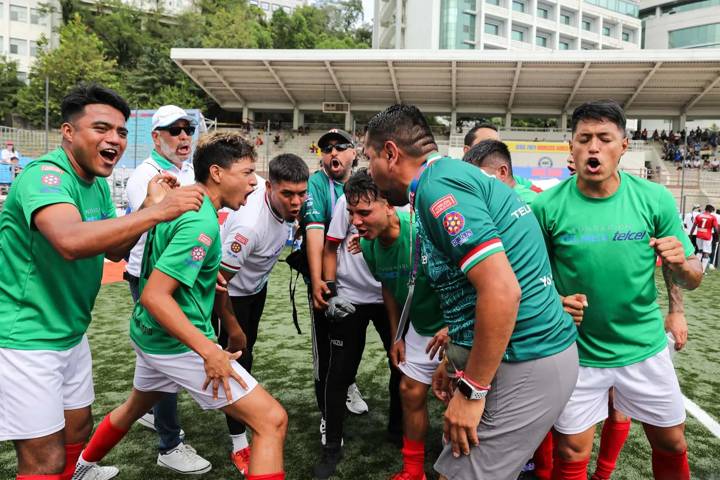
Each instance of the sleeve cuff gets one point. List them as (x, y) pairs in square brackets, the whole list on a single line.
[(479, 253), (311, 226), (229, 268)]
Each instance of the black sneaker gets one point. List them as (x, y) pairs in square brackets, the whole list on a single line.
[(329, 459)]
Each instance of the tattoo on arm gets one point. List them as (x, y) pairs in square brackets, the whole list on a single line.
[(674, 290)]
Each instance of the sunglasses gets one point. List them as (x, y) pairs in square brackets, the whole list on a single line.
[(340, 147), (175, 131)]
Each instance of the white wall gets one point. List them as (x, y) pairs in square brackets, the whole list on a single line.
[(657, 28)]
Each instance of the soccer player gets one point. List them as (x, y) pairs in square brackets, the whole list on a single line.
[(706, 225), (252, 239), (599, 214), (57, 227), (512, 347), (171, 329), (388, 243), (172, 131), (480, 133)]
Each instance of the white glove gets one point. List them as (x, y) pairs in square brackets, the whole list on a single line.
[(339, 308)]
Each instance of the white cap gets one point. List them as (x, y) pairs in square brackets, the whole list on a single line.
[(169, 114)]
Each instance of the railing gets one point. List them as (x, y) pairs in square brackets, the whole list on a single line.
[(30, 143)]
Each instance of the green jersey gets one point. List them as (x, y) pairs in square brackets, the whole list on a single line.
[(464, 217), (526, 195), (188, 250), (45, 300), (392, 266), (600, 247), (322, 194)]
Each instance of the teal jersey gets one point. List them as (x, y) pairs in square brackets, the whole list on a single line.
[(188, 250), (601, 247), (322, 194), (526, 195), (391, 265), (464, 217)]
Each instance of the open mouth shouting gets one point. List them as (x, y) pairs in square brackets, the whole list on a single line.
[(111, 155), (593, 165), (183, 149)]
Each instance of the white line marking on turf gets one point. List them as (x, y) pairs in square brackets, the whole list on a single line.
[(702, 416)]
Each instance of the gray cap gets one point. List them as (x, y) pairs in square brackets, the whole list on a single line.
[(335, 134)]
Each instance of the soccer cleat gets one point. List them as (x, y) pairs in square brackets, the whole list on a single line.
[(354, 401), (241, 460), (93, 471), (184, 459), (404, 475), (328, 463)]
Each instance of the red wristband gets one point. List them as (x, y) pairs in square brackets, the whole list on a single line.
[(477, 386)]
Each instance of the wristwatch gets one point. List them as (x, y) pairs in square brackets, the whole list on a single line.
[(471, 392)]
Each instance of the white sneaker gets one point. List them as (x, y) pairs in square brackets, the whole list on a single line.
[(354, 402), (148, 420), (94, 472), (184, 459)]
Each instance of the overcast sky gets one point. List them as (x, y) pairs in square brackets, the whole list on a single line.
[(368, 6)]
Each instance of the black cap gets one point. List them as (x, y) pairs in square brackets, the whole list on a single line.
[(335, 134)]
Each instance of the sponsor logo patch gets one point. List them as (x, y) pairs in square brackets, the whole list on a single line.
[(461, 238), (50, 179), (197, 254), (235, 247), (50, 168), (442, 204), (453, 222), (241, 238), (205, 239)]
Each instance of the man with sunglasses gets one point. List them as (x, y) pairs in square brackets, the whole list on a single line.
[(172, 132), (325, 186)]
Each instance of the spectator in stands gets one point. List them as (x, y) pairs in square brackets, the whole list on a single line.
[(644, 134), (715, 164), (663, 135), (480, 132), (9, 155), (276, 139), (655, 136)]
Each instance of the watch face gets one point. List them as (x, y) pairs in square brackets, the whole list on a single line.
[(469, 392)]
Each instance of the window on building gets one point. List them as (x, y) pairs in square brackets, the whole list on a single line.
[(287, 10), (18, 13), (626, 36), (606, 31), (265, 6), (587, 25), (2, 45), (18, 46), (2, 9), (518, 35), (493, 2), (33, 49), (543, 12), (22, 76), (254, 2), (469, 5), (703, 36), (518, 6), (565, 18), (37, 18), (564, 46), (492, 28), (541, 41)]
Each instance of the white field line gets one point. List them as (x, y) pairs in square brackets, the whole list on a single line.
[(702, 416)]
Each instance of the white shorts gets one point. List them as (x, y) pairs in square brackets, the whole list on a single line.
[(704, 246), (170, 373), (418, 364), (647, 391), (37, 386)]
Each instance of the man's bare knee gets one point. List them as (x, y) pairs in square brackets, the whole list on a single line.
[(78, 425), (412, 393), (275, 422), (41, 456), (573, 448), (667, 439)]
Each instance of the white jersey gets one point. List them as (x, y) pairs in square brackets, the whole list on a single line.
[(354, 281), (690, 220), (252, 239), (137, 191)]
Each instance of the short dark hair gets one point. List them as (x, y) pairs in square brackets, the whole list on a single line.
[(470, 136), (88, 94), (361, 185), (403, 124), (709, 208), (481, 154), (288, 167), (222, 149), (600, 110)]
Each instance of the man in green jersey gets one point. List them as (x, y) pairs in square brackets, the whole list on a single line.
[(604, 228), (510, 339), (57, 227), (171, 328), (388, 240)]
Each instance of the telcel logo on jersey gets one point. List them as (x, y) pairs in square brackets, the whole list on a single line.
[(629, 235)]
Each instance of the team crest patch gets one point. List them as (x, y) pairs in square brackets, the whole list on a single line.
[(205, 239), (453, 222), (50, 179), (442, 204), (235, 247), (241, 238), (197, 254), (50, 168)]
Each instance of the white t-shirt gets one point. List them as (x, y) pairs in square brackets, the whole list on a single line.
[(690, 220), (7, 155), (354, 281), (252, 239), (136, 191)]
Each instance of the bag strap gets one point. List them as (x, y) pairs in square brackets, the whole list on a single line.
[(291, 291)]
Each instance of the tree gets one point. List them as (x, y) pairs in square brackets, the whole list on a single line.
[(10, 85), (80, 57), (236, 26)]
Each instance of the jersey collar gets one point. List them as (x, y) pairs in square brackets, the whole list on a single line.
[(162, 162), (412, 188), (275, 215)]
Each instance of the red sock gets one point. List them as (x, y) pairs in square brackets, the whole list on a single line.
[(543, 458), (413, 453), (72, 453), (670, 466), (39, 477), (103, 440), (612, 440), (564, 470), (267, 476)]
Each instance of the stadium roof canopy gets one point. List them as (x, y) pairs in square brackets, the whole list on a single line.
[(649, 83)]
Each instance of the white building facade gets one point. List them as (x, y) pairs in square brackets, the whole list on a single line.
[(22, 25), (269, 6), (680, 24), (507, 24)]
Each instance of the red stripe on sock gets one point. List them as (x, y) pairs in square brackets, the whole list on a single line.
[(267, 476), (72, 453), (413, 453), (564, 470), (543, 458), (103, 440), (612, 441), (670, 466)]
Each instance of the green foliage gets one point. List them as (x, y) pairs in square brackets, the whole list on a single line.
[(80, 57), (236, 26), (10, 85)]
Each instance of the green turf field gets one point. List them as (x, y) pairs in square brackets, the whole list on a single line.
[(283, 366)]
